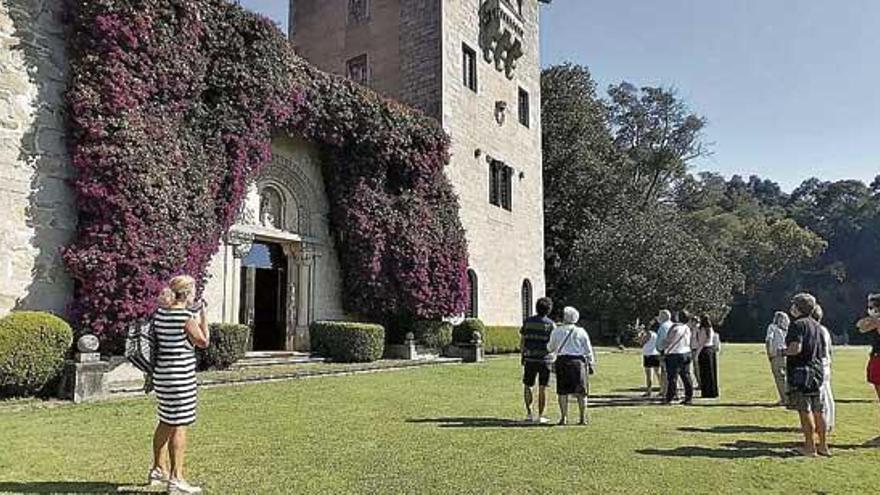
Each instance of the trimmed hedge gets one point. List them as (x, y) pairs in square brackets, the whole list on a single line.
[(347, 342), (501, 340), (229, 342), (32, 350), (432, 334), (464, 331)]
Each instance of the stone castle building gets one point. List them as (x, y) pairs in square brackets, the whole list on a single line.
[(472, 64)]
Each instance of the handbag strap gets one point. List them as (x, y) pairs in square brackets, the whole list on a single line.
[(564, 341), (677, 341)]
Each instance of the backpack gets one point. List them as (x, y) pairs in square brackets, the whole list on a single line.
[(140, 346)]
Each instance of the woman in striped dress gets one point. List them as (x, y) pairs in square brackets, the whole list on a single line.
[(178, 332)]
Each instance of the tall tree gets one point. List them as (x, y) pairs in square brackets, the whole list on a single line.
[(581, 185), (657, 134)]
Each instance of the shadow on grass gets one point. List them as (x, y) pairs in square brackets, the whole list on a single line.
[(765, 405), (743, 449), (734, 429), (855, 401), (59, 487), (477, 423)]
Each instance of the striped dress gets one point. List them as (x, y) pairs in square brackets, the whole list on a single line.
[(174, 374)]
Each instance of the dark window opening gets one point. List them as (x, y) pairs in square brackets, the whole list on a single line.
[(524, 107), (469, 67), (357, 69), (358, 11), (500, 185), (526, 298), (473, 295)]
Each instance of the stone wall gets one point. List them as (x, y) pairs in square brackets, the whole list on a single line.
[(421, 61), (322, 33), (506, 247), (38, 210)]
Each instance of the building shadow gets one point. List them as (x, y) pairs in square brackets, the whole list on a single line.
[(50, 214), (737, 429), (477, 422), (61, 487)]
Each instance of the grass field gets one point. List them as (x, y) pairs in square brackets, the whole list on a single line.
[(452, 429)]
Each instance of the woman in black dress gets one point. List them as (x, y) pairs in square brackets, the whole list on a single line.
[(707, 364)]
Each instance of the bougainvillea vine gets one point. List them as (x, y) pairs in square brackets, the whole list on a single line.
[(173, 105)]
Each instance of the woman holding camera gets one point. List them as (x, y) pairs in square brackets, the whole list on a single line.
[(178, 329)]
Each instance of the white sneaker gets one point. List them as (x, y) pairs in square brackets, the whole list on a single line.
[(181, 487), (156, 477), (543, 421), (530, 418)]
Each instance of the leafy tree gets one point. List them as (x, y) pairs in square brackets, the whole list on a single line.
[(581, 185), (638, 262), (657, 134)]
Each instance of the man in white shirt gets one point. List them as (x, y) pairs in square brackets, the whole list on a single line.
[(775, 344), (678, 358)]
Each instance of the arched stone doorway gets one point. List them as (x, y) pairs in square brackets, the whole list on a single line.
[(279, 268)]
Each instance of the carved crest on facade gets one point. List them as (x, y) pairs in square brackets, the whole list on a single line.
[(501, 34)]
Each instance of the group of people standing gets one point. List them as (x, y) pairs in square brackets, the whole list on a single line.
[(564, 349), (681, 346), (800, 352)]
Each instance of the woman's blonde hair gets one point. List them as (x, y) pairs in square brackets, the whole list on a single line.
[(181, 288)]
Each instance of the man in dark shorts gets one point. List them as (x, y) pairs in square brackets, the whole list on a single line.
[(536, 360), (804, 350)]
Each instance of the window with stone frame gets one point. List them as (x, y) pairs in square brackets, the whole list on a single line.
[(469, 67), (358, 11), (358, 70), (524, 111), (500, 185)]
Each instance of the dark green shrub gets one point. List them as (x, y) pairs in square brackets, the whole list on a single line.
[(433, 334), (229, 342), (464, 332), (501, 340), (347, 342), (32, 350)]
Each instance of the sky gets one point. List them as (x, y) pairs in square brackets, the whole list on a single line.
[(791, 88)]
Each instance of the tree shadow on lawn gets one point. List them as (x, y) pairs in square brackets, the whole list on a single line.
[(486, 422), (734, 429), (743, 449), (59, 487)]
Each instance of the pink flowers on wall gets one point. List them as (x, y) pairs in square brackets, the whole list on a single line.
[(173, 105)]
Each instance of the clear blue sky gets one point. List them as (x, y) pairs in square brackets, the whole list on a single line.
[(791, 88)]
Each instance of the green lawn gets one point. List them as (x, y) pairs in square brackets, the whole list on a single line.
[(448, 429)]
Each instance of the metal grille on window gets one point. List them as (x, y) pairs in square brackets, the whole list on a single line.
[(506, 187), (357, 69), (358, 11), (526, 298)]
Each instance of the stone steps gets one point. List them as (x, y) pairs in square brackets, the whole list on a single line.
[(274, 358)]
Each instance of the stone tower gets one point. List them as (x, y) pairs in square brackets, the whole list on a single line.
[(474, 65)]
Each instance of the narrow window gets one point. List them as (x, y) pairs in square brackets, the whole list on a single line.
[(495, 183), (473, 295), (469, 67), (526, 298), (357, 69), (506, 188), (358, 11), (524, 107)]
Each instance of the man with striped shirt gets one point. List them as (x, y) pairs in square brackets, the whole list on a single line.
[(535, 335)]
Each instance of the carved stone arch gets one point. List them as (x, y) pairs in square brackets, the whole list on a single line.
[(300, 195)]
